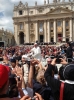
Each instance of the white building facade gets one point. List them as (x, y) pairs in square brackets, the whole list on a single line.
[(50, 22)]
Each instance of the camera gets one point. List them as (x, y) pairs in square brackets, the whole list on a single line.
[(58, 60)]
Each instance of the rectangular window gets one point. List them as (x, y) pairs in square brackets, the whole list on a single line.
[(20, 12), (41, 27), (21, 26), (31, 12), (67, 23), (51, 25), (40, 10), (59, 23)]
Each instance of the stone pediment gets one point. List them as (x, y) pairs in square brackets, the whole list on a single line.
[(59, 10), (20, 6)]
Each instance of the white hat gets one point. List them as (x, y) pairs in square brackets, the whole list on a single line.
[(24, 56), (35, 43)]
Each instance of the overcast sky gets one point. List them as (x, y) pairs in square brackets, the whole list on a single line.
[(6, 12)]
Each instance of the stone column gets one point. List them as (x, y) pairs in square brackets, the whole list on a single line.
[(55, 31), (24, 38), (36, 31), (24, 33), (71, 29), (64, 30), (16, 34), (45, 31), (27, 32), (49, 32)]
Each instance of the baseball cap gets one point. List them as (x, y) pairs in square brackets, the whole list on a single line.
[(68, 72), (4, 74)]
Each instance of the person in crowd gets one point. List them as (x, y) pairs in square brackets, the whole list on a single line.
[(13, 63), (55, 84), (5, 60), (43, 60), (36, 52), (25, 68), (69, 53)]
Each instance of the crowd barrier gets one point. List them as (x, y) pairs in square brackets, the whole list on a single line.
[(50, 43)]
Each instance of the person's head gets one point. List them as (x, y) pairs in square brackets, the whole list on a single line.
[(24, 58), (68, 72), (13, 63), (5, 57), (19, 53), (43, 55), (49, 60), (55, 53), (35, 44), (4, 79), (40, 77), (68, 44), (10, 54)]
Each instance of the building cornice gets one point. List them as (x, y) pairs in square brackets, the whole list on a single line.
[(41, 18), (22, 6)]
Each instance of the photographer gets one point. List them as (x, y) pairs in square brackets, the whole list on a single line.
[(69, 53), (68, 73)]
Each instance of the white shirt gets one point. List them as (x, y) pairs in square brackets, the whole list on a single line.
[(36, 53)]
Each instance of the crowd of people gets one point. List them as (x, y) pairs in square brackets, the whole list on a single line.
[(36, 72)]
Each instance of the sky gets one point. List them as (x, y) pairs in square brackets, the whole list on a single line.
[(6, 12)]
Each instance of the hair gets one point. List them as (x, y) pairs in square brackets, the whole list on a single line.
[(69, 43)]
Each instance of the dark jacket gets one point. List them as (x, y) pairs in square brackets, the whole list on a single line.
[(55, 86), (69, 52)]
